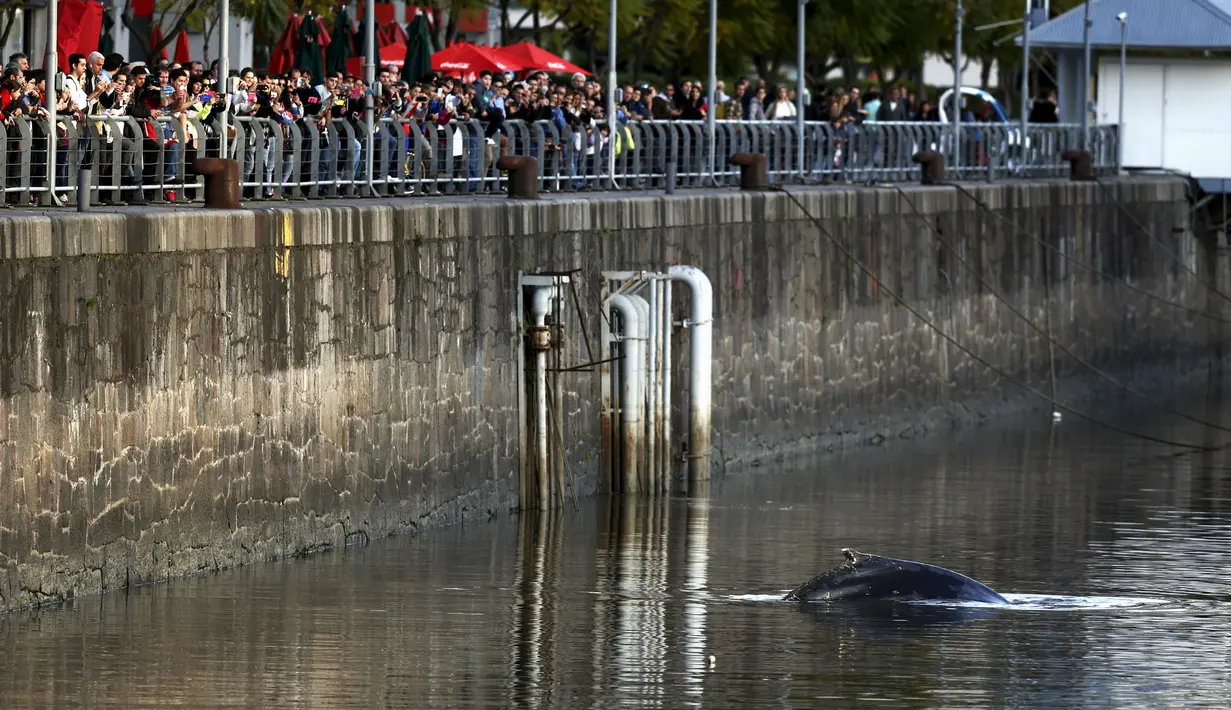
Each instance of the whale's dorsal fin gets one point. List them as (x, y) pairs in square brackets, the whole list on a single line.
[(852, 556)]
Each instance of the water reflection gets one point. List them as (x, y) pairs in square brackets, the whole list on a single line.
[(624, 602)]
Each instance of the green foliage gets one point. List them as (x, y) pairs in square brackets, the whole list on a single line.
[(668, 38)]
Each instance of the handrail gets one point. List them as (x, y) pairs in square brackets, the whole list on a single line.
[(152, 158)]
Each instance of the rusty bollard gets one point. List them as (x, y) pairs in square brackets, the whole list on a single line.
[(221, 182), (523, 176), (1081, 165), (752, 172), (932, 165)]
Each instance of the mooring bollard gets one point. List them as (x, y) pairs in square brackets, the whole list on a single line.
[(932, 165), (1081, 165), (84, 180), (752, 172), (221, 182), (523, 176)]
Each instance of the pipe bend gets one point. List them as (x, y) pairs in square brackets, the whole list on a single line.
[(702, 291), (540, 303), (629, 311)]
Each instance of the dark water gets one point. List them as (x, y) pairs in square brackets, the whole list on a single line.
[(1129, 546)]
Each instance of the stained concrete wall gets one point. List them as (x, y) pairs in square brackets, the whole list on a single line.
[(188, 390)]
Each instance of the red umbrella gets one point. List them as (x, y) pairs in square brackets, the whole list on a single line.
[(393, 55), (467, 58), (183, 55), (539, 59), (283, 56)]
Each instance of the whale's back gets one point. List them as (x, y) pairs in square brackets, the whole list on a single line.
[(875, 577)]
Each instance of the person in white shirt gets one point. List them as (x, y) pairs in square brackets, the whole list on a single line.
[(781, 108), (74, 85)]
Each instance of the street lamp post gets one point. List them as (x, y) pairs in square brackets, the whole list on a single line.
[(800, 86), (369, 78), (711, 108), (51, 70), (1025, 82), (611, 93), (957, 91), (1123, 18), (1085, 80), (223, 70)]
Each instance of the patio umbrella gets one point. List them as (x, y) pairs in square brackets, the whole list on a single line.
[(392, 33), (466, 58), (418, 59), (282, 57), (309, 56), (340, 42), (183, 54), (539, 59)]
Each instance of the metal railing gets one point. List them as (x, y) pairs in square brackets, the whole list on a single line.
[(131, 160)]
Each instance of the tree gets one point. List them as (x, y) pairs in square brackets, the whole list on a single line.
[(179, 12)]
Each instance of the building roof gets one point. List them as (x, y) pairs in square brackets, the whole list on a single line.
[(1152, 24)]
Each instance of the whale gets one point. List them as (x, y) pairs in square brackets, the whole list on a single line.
[(872, 577)]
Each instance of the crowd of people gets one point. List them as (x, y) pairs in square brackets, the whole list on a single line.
[(179, 109)]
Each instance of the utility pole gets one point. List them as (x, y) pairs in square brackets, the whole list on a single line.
[(957, 91)]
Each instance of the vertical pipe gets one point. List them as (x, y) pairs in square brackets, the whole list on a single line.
[(630, 371), (1085, 80), (224, 67), (957, 91), (700, 368), (51, 68), (540, 306), (652, 392), (800, 85), (369, 77), (607, 455), (1120, 115), (1025, 83), (611, 91), (638, 433), (666, 387)]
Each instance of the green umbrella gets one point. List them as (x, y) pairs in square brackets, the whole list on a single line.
[(418, 50), (308, 48), (339, 49)]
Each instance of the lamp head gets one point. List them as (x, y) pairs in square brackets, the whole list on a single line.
[(1122, 17)]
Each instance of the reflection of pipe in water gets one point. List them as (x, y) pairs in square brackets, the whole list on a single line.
[(537, 545), (640, 644), (696, 583)]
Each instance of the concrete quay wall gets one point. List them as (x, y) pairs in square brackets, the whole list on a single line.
[(186, 390)]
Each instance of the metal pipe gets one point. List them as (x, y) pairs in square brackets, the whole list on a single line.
[(800, 58), (1123, 17), (630, 373), (957, 91), (654, 343), (540, 306), (1025, 83), (638, 433), (50, 70), (369, 77), (666, 386), (1085, 80), (712, 110), (224, 67), (611, 91), (700, 367)]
